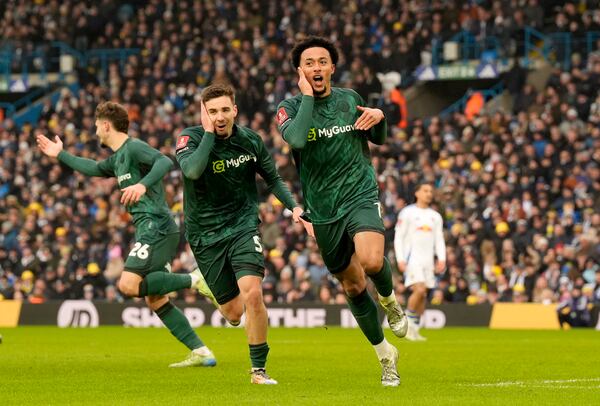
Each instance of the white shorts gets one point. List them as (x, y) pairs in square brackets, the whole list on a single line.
[(419, 273)]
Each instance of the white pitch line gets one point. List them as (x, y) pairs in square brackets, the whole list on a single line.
[(563, 387), (538, 383)]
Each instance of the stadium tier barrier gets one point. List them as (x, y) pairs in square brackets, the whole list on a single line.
[(84, 313)]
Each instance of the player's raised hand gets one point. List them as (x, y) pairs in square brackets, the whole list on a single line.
[(207, 123), (132, 194), (304, 84), (48, 147), (369, 118)]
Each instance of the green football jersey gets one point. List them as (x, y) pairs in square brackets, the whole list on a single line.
[(223, 200), (335, 165), (130, 164)]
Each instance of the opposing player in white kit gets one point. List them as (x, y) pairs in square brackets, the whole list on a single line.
[(419, 237)]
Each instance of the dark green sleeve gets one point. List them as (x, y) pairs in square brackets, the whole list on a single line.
[(192, 159), (86, 166), (147, 155), (295, 129), (266, 169), (378, 133)]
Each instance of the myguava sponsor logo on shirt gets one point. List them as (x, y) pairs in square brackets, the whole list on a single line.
[(316, 133), (124, 177), (221, 165)]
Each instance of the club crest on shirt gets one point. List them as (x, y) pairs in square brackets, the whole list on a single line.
[(282, 116), (182, 141)]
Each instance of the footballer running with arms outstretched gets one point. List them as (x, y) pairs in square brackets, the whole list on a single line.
[(139, 170)]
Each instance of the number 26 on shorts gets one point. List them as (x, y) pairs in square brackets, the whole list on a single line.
[(140, 251)]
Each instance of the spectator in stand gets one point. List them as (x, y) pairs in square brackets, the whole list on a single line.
[(534, 174)]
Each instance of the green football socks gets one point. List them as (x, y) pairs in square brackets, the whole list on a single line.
[(161, 283), (383, 279), (258, 354), (179, 326), (364, 310)]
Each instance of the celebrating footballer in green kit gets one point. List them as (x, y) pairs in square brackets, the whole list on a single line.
[(139, 170), (329, 129), (219, 162)]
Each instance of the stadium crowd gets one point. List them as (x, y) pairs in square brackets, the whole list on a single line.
[(519, 192)]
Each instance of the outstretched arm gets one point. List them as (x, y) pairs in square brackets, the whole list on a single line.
[(55, 149)]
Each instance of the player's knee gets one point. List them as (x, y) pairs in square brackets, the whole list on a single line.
[(235, 316), (156, 302), (253, 298), (420, 290), (233, 311), (354, 288), (128, 288), (372, 263)]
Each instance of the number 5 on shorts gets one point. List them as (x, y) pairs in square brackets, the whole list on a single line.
[(140, 251), (257, 245)]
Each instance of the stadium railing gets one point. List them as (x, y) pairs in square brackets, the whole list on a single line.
[(555, 48), (47, 58), (461, 103)]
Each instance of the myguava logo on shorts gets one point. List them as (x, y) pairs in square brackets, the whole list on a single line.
[(77, 313), (218, 166), (312, 134)]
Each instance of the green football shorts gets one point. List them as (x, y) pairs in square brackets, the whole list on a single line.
[(336, 240), (156, 245), (226, 261)]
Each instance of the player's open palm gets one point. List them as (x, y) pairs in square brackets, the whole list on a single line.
[(303, 84), (207, 122), (49, 147), (132, 194), (369, 118)]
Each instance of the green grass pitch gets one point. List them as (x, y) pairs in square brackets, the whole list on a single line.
[(114, 365)]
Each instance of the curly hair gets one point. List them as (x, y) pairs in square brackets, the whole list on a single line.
[(312, 42), (115, 113)]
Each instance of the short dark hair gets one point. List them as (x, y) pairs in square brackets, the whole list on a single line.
[(313, 42), (218, 90), (422, 183), (115, 113), (419, 185)]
